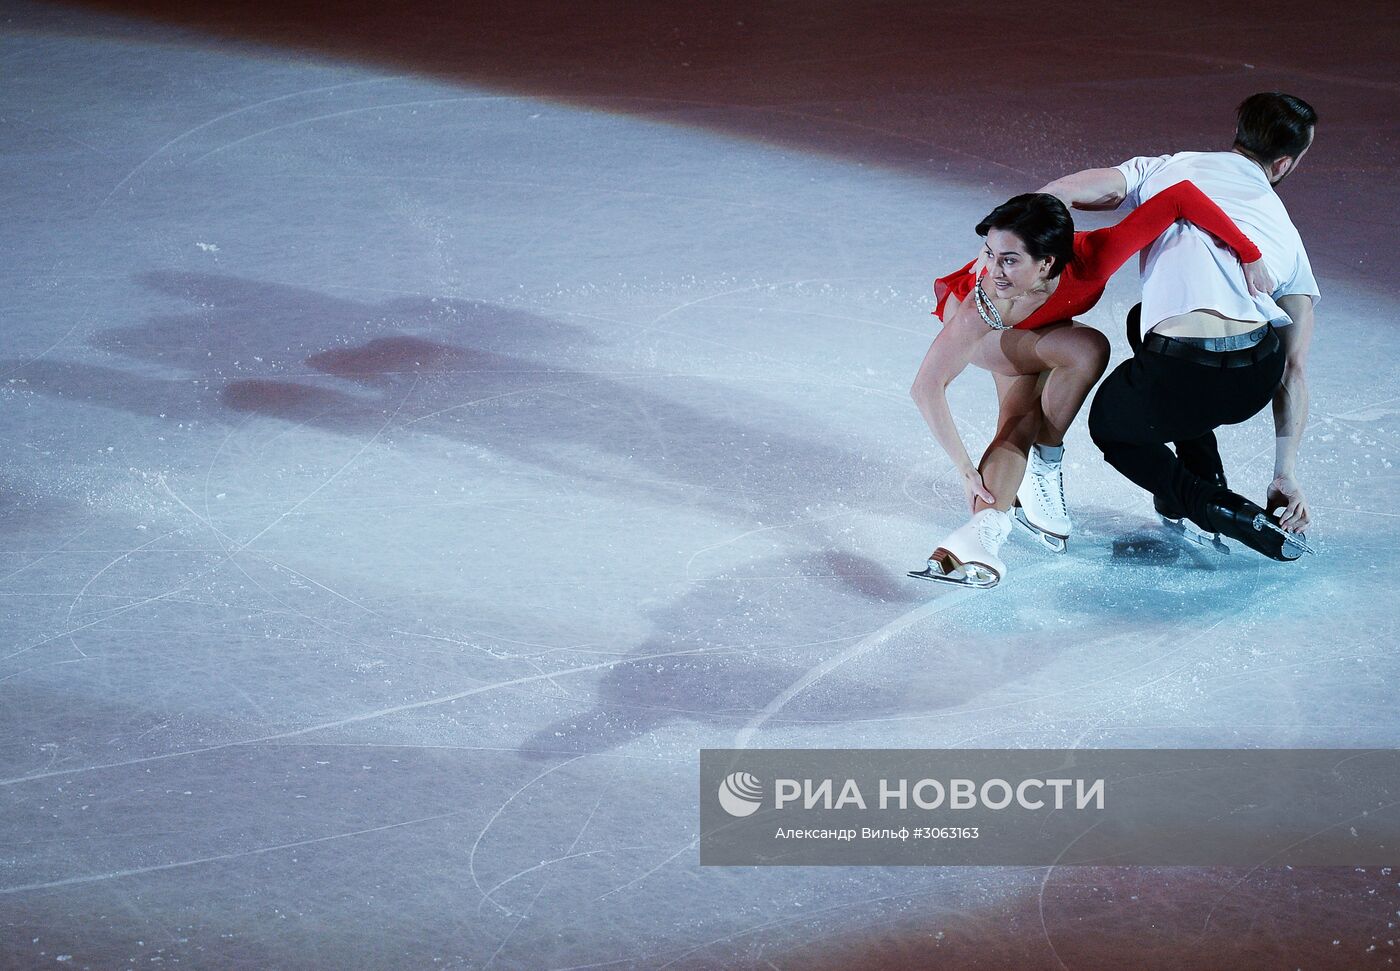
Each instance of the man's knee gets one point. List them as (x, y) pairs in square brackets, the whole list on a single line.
[(1121, 400), (1100, 426), (1107, 409)]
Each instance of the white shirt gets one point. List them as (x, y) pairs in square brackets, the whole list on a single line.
[(1186, 269)]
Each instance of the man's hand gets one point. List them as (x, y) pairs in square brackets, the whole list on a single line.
[(1260, 280), (1286, 494)]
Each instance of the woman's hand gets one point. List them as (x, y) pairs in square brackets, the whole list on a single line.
[(1260, 280), (1287, 494), (974, 489)]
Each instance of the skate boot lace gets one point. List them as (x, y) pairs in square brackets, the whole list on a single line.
[(991, 532), (1050, 485)]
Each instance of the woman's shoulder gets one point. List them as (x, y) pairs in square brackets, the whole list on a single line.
[(1083, 247)]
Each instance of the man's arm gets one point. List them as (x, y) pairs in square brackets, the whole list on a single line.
[(1090, 189), (1291, 412)]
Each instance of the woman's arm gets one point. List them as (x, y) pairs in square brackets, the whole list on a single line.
[(948, 357), (1105, 250)]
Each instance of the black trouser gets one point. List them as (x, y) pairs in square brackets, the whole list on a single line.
[(1154, 399), (1200, 455)]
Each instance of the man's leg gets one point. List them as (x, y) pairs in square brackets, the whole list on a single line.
[(1153, 399), (1142, 405), (1200, 455)]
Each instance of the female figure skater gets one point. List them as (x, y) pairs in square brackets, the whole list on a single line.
[(1010, 312)]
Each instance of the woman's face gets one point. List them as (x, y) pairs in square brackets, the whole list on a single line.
[(1010, 268)]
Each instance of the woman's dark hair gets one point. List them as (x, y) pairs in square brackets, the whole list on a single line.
[(1271, 125), (1042, 223)]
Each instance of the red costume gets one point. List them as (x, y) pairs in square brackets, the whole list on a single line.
[(1099, 253)]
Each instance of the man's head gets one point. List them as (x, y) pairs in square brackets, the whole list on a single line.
[(1274, 130)]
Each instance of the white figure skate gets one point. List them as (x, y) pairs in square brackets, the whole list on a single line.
[(1040, 503), (969, 557)]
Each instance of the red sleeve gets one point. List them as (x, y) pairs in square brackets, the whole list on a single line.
[(1105, 250)]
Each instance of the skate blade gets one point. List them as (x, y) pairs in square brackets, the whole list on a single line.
[(943, 567), (1297, 541), (1052, 542), (1192, 533)]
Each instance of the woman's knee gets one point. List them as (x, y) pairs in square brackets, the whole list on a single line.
[(1095, 352), (1083, 349)]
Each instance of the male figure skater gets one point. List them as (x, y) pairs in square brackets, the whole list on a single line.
[(1208, 352)]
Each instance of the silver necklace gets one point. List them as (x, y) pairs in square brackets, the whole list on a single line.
[(986, 309)]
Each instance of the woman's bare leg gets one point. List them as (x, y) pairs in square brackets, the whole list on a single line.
[(1076, 357), (1019, 420)]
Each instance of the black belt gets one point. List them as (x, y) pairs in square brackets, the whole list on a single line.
[(1244, 357)]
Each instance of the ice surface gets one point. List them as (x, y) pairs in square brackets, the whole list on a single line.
[(410, 463)]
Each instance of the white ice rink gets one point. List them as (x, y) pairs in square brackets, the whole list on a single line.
[(407, 469)]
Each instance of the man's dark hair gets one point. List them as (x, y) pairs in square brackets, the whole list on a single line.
[(1271, 125), (1041, 221)]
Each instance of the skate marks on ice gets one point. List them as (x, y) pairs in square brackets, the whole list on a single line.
[(492, 384), (776, 645), (165, 149), (239, 322), (477, 837), (757, 664), (372, 381), (870, 642), (749, 629)]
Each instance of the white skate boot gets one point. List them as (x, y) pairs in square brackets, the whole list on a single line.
[(1040, 502), (969, 556)]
